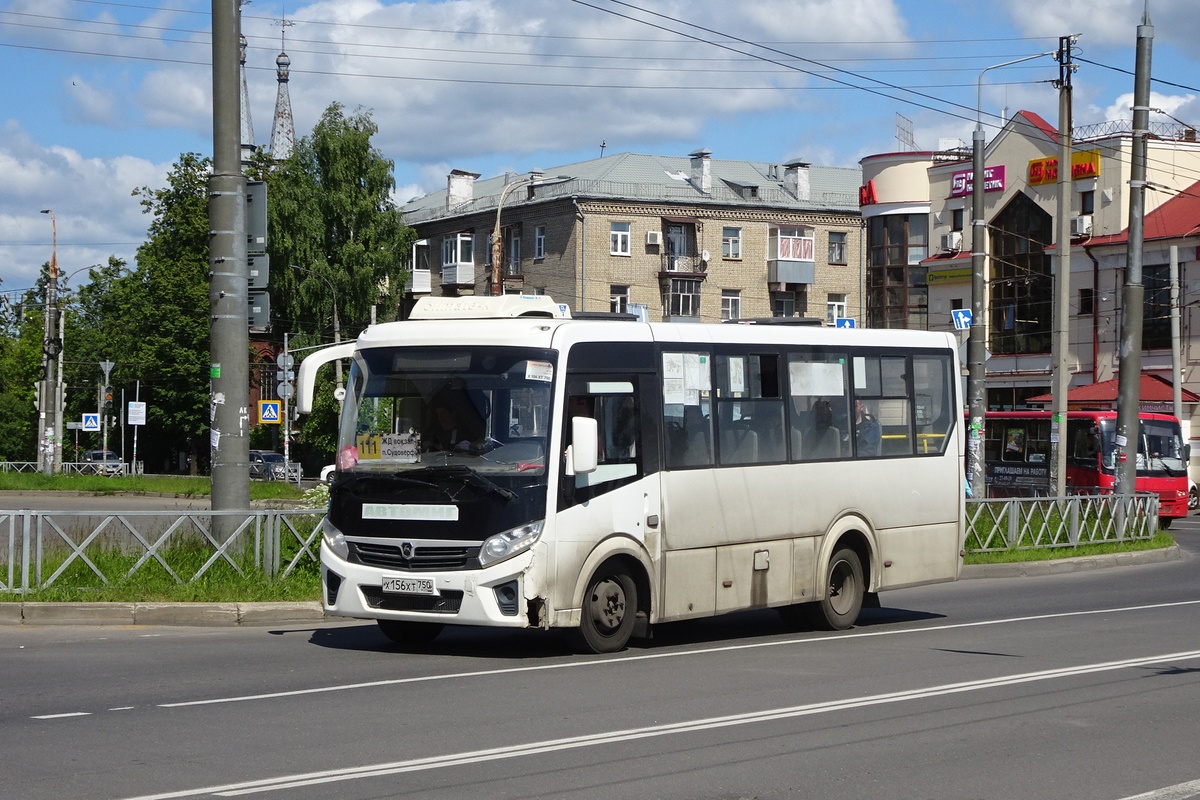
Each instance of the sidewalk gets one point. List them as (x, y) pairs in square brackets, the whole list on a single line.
[(310, 613)]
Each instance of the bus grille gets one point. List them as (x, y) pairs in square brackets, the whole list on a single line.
[(376, 554), (448, 602)]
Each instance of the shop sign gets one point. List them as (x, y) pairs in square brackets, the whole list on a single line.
[(963, 183), (1085, 164)]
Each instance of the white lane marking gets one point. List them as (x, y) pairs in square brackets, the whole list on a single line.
[(123, 708), (284, 782), (654, 656), (63, 716), (1180, 791)]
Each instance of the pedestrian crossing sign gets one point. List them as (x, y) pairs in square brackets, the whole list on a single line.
[(269, 412), (91, 422)]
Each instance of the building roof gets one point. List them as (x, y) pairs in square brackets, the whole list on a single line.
[(650, 178), (1176, 218), (1151, 389)]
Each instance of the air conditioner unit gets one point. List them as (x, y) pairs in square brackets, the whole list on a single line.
[(679, 264), (654, 238), (1082, 225), (952, 241)]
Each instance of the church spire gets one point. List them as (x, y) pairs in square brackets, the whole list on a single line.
[(247, 136), (283, 132)]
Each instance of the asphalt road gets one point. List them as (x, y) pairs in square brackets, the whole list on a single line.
[(1062, 686)]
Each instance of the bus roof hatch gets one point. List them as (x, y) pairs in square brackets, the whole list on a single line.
[(509, 305)]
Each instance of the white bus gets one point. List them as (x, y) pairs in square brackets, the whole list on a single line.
[(500, 463)]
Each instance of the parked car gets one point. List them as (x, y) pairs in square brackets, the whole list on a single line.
[(103, 462), (327, 473), (267, 466), (1193, 496)]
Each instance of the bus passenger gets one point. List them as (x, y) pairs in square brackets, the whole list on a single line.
[(866, 430), (821, 439)]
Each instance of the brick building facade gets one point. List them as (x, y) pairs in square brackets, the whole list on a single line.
[(686, 239)]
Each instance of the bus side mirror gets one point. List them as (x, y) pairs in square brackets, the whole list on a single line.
[(1187, 452), (582, 455)]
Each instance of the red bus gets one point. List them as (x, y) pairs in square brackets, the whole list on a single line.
[(1016, 456)]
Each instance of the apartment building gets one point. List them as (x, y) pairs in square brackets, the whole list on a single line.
[(691, 239), (917, 214)]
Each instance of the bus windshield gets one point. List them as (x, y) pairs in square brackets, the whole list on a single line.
[(1160, 448), (417, 408)]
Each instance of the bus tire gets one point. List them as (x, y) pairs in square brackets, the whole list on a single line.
[(844, 588), (409, 633), (609, 609)]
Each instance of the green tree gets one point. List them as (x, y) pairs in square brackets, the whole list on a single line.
[(172, 348), (331, 215), (104, 320), (20, 370)]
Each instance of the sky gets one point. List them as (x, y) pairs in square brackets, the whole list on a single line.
[(99, 99)]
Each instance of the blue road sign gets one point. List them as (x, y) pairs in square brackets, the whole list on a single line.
[(962, 318), (844, 322), (91, 422), (269, 412)]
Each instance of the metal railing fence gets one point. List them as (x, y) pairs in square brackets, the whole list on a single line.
[(43, 549), (1024, 523)]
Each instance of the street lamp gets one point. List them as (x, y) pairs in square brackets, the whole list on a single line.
[(337, 331), (497, 245), (50, 348), (60, 395), (977, 335)]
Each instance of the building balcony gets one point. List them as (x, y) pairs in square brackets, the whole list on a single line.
[(419, 282), (458, 274), (692, 264), (788, 271)]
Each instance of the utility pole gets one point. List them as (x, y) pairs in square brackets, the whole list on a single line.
[(1060, 345), (228, 279), (977, 335), (1129, 377), (51, 344), (105, 367)]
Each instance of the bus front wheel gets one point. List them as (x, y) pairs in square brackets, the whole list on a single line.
[(409, 633), (844, 589), (609, 609)]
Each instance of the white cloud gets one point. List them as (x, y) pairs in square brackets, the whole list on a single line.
[(95, 214)]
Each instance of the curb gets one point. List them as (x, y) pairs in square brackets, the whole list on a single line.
[(210, 615), (1063, 566), (248, 615)]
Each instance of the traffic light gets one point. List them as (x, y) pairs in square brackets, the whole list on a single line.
[(108, 398)]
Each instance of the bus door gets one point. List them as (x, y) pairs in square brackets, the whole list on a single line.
[(622, 495), (1083, 455)]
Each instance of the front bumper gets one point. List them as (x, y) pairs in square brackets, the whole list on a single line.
[(485, 596)]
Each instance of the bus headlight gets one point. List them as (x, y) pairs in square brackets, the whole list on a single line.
[(336, 542), (509, 543)]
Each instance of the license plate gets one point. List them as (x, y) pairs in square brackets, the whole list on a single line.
[(423, 586)]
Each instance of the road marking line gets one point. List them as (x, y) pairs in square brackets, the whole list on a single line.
[(1180, 791), (653, 656), (62, 716), (284, 782)]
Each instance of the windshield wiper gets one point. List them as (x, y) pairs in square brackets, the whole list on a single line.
[(391, 480), (468, 475)]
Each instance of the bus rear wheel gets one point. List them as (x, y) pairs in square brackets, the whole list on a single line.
[(844, 589), (409, 633), (609, 609)]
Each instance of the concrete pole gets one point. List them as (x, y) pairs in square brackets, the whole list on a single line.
[(50, 346), (228, 280), (977, 335), (977, 341), (1060, 345), (1176, 372), (1129, 376)]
